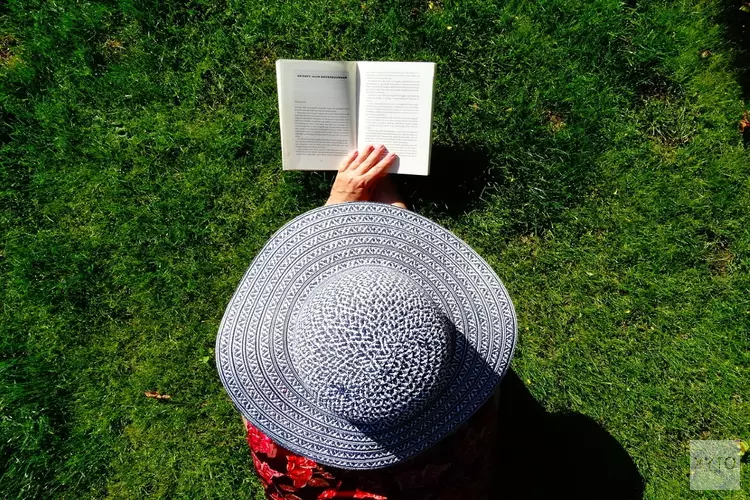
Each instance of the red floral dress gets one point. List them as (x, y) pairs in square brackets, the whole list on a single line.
[(458, 467)]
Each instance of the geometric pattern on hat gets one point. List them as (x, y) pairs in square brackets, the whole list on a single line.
[(362, 334)]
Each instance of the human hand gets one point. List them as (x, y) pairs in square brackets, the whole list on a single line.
[(359, 174)]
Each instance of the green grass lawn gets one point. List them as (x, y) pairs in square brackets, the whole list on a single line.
[(589, 150)]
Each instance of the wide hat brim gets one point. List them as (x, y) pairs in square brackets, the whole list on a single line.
[(252, 353)]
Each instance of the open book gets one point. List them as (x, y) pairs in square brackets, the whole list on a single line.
[(328, 109)]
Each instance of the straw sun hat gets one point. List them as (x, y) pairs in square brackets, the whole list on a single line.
[(362, 334)]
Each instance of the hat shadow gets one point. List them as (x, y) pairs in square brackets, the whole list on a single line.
[(549, 454)]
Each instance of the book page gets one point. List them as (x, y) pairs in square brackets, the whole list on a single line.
[(317, 112), (394, 104)]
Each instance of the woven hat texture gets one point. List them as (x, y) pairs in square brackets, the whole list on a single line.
[(362, 334)]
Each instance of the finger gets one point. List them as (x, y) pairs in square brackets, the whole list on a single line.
[(381, 167), (370, 160), (362, 156), (348, 160)]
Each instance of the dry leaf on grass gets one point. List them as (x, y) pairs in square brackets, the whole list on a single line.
[(556, 122), (156, 395)]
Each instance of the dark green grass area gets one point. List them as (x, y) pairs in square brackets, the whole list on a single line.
[(587, 149)]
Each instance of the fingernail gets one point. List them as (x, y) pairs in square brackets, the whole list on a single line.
[(382, 146), (391, 155)]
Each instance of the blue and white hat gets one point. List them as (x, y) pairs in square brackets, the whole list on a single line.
[(362, 334)]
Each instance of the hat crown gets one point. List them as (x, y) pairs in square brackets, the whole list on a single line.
[(371, 346)]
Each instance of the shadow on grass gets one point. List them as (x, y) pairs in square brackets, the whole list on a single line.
[(545, 455), (737, 24), (529, 189), (458, 179)]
